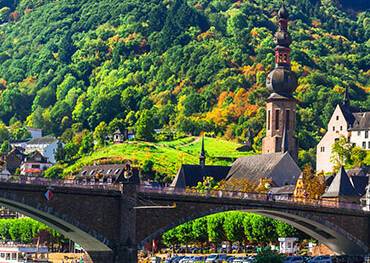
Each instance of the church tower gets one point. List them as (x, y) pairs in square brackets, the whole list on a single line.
[(281, 105)]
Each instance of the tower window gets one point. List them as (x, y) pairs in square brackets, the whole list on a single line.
[(277, 119), (287, 121), (268, 120)]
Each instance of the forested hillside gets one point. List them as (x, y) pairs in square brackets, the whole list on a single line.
[(189, 66)]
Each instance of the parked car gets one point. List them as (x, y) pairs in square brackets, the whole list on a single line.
[(155, 260), (230, 259), (185, 260), (216, 258), (294, 259), (243, 260), (321, 259), (197, 259)]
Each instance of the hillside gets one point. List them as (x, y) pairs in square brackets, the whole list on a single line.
[(192, 66), (167, 156)]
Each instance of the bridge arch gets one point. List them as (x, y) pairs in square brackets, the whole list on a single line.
[(336, 238), (72, 230)]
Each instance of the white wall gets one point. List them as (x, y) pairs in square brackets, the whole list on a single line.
[(337, 127), (361, 137)]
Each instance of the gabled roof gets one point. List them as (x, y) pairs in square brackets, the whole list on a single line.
[(341, 186), (347, 113), (36, 157), (362, 121), (42, 140), (280, 167), (189, 175)]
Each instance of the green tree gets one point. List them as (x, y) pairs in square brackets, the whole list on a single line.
[(340, 152), (144, 129), (87, 144), (100, 134)]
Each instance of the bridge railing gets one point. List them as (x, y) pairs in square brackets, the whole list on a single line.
[(252, 196), (61, 183)]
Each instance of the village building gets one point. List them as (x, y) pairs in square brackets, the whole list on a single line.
[(4, 172), (14, 159), (354, 126), (119, 137), (46, 145), (279, 167), (34, 165), (106, 173), (189, 175), (35, 133), (344, 188)]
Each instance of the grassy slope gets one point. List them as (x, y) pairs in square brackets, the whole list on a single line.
[(167, 156)]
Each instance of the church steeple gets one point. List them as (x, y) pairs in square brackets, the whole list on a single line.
[(281, 80), (281, 105), (346, 99), (202, 157)]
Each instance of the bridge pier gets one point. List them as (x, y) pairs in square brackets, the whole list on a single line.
[(101, 257), (126, 254)]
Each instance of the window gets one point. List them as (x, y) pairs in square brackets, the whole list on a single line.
[(322, 149), (287, 121), (277, 119), (366, 134), (368, 145), (333, 128), (336, 139), (35, 166), (358, 133), (364, 145), (341, 128), (337, 118), (268, 120)]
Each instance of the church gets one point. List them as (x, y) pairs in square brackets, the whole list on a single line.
[(277, 163)]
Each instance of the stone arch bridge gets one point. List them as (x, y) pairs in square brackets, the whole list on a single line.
[(111, 222)]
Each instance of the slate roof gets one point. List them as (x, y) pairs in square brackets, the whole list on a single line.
[(347, 113), (341, 186), (42, 140), (36, 157), (280, 167), (286, 189), (189, 175), (360, 183), (362, 121)]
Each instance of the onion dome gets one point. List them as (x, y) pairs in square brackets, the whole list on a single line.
[(282, 81), (283, 13), (282, 38)]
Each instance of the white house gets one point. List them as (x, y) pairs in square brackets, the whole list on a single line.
[(35, 164), (353, 126), (35, 133), (47, 146)]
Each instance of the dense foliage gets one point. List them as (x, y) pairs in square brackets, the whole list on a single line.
[(189, 66), (27, 230), (233, 227)]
